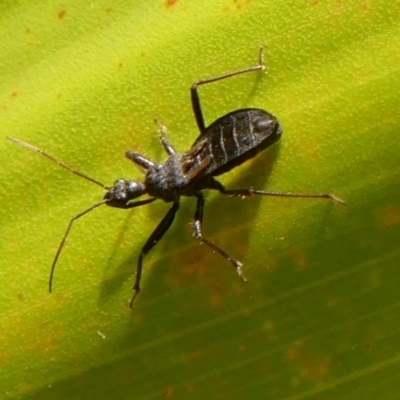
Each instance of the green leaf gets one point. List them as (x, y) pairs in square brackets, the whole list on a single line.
[(318, 317)]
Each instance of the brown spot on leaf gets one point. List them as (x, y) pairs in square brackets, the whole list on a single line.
[(365, 5), (62, 14), (239, 4), (193, 356), (388, 216), (190, 387), (170, 3), (298, 256), (312, 366), (168, 393), (223, 384)]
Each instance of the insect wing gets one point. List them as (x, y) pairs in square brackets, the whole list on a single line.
[(235, 138)]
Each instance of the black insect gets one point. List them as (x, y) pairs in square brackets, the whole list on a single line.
[(226, 143)]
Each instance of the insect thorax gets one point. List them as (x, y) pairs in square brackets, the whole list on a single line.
[(166, 181)]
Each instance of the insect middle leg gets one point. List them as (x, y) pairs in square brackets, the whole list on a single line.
[(197, 225), (195, 96), (154, 238)]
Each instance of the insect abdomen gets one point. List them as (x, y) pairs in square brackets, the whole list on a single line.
[(237, 137)]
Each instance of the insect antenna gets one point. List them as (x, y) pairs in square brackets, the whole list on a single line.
[(62, 243), (75, 172), (60, 163)]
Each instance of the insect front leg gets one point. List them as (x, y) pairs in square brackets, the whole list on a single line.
[(154, 238), (197, 225), (163, 138)]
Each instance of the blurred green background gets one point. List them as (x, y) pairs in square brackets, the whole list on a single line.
[(319, 315)]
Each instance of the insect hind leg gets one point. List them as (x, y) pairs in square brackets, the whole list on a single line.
[(197, 228), (251, 192)]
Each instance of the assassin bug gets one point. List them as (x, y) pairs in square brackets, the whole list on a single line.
[(228, 142)]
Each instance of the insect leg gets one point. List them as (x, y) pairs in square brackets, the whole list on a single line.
[(163, 138), (197, 224), (154, 238), (195, 96), (251, 192), (139, 159)]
